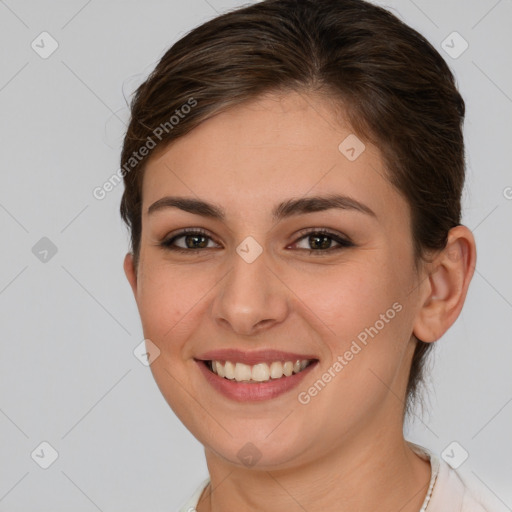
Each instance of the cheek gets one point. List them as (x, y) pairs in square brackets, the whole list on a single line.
[(360, 313), (154, 298), (348, 299), (169, 299), (339, 301), (363, 326)]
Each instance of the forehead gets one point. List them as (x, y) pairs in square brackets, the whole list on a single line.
[(268, 150)]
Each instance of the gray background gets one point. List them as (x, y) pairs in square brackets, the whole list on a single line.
[(69, 324)]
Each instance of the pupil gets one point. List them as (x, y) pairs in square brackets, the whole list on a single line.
[(314, 238), (194, 238)]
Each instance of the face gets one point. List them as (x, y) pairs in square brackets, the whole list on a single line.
[(330, 282)]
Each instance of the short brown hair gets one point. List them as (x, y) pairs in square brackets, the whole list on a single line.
[(394, 87)]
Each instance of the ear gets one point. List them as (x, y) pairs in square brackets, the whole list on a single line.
[(445, 287), (130, 272)]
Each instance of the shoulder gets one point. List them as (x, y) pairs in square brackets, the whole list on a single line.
[(455, 491), (477, 497), (191, 504)]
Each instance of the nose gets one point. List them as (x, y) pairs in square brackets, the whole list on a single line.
[(251, 298)]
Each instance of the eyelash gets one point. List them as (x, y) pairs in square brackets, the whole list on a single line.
[(343, 243)]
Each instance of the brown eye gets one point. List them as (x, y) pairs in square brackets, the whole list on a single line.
[(192, 240), (320, 241)]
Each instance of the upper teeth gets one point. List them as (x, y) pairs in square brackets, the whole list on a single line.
[(259, 372)]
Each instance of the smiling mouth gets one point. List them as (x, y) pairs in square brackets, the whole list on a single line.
[(258, 373)]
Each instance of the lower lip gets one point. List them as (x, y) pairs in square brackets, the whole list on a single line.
[(248, 392)]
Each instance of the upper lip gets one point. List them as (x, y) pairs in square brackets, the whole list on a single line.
[(254, 357)]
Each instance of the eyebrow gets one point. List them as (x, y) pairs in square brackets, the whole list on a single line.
[(282, 210)]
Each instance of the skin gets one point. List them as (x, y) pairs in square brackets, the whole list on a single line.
[(345, 449)]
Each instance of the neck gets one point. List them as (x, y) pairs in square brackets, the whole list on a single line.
[(380, 472)]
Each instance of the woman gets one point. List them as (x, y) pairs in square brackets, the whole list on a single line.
[(293, 175)]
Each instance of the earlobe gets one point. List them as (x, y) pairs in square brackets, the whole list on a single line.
[(446, 286), (130, 272)]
